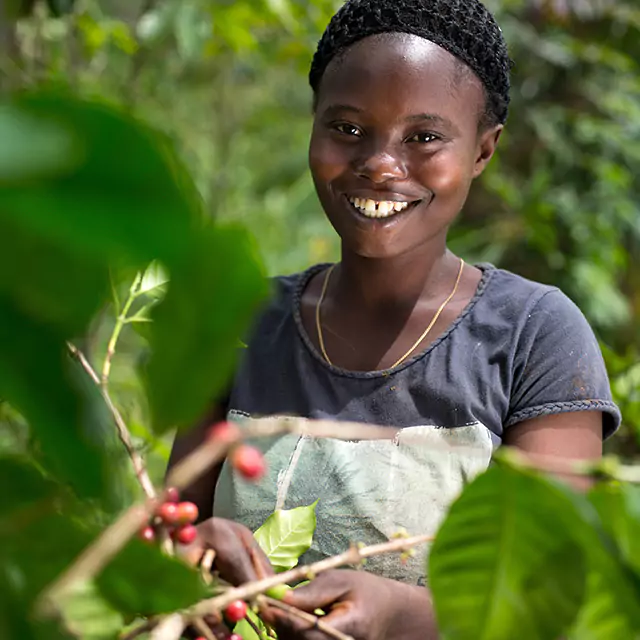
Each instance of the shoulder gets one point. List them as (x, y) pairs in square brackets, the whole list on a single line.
[(524, 303)]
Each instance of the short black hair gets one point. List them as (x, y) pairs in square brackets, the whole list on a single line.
[(464, 28)]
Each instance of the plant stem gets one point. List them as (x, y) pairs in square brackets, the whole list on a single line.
[(355, 555), (121, 320), (123, 432), (314, 621)]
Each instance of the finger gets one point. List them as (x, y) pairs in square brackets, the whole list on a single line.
[(291, 627), (324, 592), (239, 558)]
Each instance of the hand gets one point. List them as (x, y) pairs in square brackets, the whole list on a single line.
[(358, 604), (238, 559)]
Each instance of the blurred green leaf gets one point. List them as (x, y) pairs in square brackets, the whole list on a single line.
[(61, 287), (286, 535), (512, 573), (142, 580), (33, 487), (619, 509), (88, 616), (34, 148), (35, 376), (209, 304), (116, 207)]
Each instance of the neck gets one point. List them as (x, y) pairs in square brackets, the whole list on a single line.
[(381, 285)]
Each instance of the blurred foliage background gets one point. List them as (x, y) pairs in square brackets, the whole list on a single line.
[(226, 80)]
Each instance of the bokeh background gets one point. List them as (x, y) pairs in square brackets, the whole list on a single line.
[(226, 80)]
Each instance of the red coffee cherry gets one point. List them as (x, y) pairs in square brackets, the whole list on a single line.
[(185, 534), (236, 611), (187, 513), (172, 495), (147, 534), (224, 431), (248, 462), (235, 636), (168, 513)]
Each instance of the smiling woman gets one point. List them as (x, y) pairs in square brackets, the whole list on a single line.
[(410, 100)]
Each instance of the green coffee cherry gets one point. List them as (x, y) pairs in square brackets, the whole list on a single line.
[(278, 592)]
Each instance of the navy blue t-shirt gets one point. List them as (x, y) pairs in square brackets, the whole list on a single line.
[(519, 350)]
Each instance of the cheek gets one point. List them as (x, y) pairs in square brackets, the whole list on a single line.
[(327, 160), (449, 174)]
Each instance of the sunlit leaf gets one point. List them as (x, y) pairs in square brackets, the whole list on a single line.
[(286, 535)]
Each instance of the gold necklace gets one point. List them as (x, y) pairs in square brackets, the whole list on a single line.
[(416, 343)]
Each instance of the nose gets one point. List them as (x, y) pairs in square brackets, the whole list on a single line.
[(381, 165)]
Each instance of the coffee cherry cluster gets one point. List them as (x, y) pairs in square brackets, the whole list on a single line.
[(174, 516), (246, 460)]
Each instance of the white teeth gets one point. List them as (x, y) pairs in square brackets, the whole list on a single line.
[(385, 207), (378, 209)]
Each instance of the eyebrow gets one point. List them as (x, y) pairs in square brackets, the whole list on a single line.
[(418, 117)]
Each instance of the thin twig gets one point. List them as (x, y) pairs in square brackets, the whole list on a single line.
[(256, 629), (314, 621), (169, 628), (123, 432), (203, 628), (121, 320), (354, 556), (145, 626)]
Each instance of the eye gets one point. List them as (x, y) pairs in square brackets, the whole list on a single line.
[(423, 138), (347, 129)]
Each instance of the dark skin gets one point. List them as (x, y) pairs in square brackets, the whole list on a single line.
[(395, 119)]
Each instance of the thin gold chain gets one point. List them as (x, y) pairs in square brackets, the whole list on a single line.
[(325, 284)]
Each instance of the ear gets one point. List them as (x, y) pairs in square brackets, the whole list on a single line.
[(487, 143)]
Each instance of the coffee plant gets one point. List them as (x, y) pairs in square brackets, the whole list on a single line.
[(94, 203)]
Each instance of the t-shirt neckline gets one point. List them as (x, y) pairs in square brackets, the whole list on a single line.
[(303, 279)]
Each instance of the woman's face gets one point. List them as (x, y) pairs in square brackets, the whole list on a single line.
[(396, 144)]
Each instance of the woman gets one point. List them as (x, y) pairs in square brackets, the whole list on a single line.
[(410, 100)]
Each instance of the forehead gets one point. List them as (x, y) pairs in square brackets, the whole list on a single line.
[(401, 73)]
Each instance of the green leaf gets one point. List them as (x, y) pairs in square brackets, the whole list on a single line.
[(612, 604), (286, 535), (34, 148), (603, 616), (210, 301), (506, 562), (245, 630), (60, 286), (34, 488), (127, 198), (154, 281), (143, 581), (34, 365), (43, 547), (88, 616), (619, 510)]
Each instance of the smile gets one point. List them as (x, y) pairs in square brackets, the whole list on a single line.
[(379, 208)]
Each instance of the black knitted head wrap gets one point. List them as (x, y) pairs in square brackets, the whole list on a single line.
[(465, 28)]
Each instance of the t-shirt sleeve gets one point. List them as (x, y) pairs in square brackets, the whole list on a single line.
[(558, 366)]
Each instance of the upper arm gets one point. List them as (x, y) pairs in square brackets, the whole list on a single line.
[(558, 370), (201, 491), (570, 437), (561, 402)]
